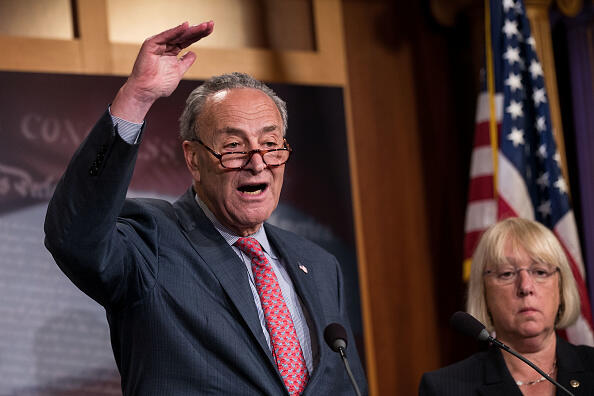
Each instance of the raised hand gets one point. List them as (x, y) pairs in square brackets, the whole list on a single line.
[(157, 70)]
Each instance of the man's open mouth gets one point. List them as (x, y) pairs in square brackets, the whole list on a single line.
[(253, 189)]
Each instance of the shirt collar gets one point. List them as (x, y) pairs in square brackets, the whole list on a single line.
[(229, 236)]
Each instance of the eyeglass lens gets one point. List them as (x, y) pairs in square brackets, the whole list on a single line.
[(539, 273), (239, 160)]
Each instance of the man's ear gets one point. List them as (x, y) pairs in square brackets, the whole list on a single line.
[(191, 157)]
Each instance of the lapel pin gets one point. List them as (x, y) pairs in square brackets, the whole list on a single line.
[(574, 383), (303, 268)]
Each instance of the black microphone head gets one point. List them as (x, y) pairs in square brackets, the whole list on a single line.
[(335, 336), (467, 324)]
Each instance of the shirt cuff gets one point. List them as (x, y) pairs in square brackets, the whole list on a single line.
[(128, 131)]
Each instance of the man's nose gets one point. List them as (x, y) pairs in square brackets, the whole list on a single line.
[(256, 162)]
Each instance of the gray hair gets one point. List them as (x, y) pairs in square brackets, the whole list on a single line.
[(540, 244), (197, 99)]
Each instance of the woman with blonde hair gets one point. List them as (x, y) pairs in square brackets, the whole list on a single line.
[(522, 288)]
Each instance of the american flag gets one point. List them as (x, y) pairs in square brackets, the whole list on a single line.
[(529, 180)]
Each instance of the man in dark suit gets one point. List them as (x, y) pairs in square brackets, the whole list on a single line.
[(201, 296)]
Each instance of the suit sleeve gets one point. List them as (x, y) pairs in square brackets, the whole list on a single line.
[(426, 388), (97, 250)]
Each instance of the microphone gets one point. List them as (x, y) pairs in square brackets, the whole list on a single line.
[(470, 326), (336, 338)]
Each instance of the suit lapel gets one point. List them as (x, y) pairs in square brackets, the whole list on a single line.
[(223, 262), (497, 379), (571, 369)]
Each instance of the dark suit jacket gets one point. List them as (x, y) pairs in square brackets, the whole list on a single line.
[(181, 314), (485, 373)]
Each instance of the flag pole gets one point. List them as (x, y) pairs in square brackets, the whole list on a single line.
[(492, 119), (491, 89)]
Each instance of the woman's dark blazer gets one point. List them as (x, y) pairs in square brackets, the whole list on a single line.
[(485, 373)]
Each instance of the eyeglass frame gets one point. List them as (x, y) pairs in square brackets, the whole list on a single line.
[(219, 156), (516, 272)]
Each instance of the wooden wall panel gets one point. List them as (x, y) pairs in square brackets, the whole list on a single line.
[(93, 53), (265, 24), (38, 19), (392, 222)]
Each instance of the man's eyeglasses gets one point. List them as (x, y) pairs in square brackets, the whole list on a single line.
[(540, 273), (239, 159)]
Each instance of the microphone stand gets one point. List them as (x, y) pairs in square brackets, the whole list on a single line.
[(348, 370)]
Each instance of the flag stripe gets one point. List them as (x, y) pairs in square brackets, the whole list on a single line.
[(483, 113), (481, 187), (580, 333), (513, 190), (482, 162), (482, 135), (472, 238), (480, 215), (566, 231)]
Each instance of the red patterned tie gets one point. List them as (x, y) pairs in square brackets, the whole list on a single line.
[(285, 344)]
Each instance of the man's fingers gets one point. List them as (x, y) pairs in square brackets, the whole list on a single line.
[(193, 34), (183, 33), (172, 41), (170, 35)]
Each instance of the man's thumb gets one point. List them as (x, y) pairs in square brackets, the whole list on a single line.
[(186, 61)]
